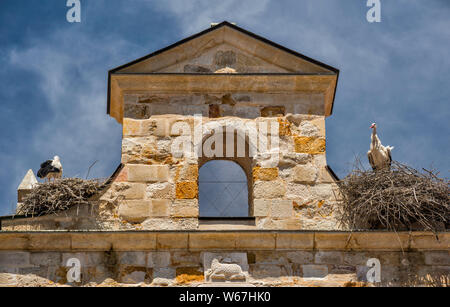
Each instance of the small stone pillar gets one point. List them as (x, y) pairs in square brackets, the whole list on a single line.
[(25, 187)]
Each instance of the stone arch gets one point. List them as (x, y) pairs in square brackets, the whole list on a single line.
[(245, 161)]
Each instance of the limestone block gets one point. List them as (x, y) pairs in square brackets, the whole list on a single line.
[(139, 242), (256, 241), (325, 176), (295, 241), (134, 111), (269, 189), (281, 208), (284, 127), (184, 208), (159, 208), (45, 258), (314, 271), (265, 174), (300, 193), (164, 190), (158, 259), (261, 207), (186, 190), (186, 259), (291, 159), (129, 190), (14, 259), (187, 172), (305, 174), (133, 258), (437, 258), (262, 271), (148, 173), (309, 130), (131, 127), (163, 276), (49, 241), (123, 175), (323, 192), (300, 257), (201, 241), (135, 211), (246, 112), (170, 224), (329, 257), (309, 145), (424, 240), (172, 241)]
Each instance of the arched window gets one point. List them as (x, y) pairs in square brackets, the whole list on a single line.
[(223, 190)]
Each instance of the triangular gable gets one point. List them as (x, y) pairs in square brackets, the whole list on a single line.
[(266, 56), (225, 45)]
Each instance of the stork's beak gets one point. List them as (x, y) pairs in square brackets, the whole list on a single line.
[(371, 127)]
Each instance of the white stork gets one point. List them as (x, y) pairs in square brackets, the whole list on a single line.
[(51, 169), (379, 155)]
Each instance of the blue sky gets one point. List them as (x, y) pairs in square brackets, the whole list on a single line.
[(54, 74)]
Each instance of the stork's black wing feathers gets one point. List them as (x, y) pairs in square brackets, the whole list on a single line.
[(47, 168), (46, 163)]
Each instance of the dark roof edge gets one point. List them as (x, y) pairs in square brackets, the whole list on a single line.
[(332, 173), (222, 24)]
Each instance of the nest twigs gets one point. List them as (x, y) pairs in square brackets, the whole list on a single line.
[(60, 195), (401, 198)]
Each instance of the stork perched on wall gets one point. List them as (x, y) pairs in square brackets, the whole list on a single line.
[(51, 169), (379, 155)]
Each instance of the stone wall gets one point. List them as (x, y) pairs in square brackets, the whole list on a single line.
[(289, 183), (262, 258)]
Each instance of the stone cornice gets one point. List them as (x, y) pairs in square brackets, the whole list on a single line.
[(217, 83), (222, 240)]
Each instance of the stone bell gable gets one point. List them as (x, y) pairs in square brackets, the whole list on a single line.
[(224, 82)]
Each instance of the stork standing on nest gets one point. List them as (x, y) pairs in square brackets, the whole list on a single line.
[(51, 169), (379, 155)]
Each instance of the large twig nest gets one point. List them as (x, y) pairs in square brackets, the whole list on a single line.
[(60, 195), (398, 199)]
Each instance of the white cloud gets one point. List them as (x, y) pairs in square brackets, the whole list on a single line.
[(72, 73)]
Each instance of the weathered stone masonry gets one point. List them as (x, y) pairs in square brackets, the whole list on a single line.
[(266, 258)]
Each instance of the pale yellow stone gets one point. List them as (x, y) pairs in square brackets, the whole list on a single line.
[(269, 189), (261, 207), (129, 190), (281, 208), (148, 173), (295, 241), (135, 210), (159, 208), (304, 174), (184, 208)]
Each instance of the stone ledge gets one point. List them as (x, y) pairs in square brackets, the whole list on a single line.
[(222, 240)]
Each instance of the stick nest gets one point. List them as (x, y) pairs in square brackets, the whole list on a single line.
[(398, 199), (60, 195)]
